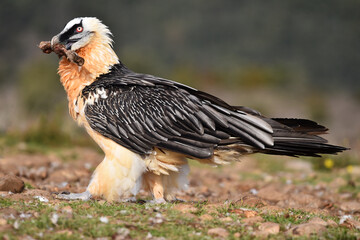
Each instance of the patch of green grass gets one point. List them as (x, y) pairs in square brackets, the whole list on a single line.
[(341, 233), (5, 202), (201, 208), (140, 219), (291, 216), (28, 186)]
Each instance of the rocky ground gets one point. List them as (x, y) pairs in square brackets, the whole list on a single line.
[(264, 197)]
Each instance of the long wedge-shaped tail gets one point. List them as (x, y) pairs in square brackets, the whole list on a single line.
[(299, 137)]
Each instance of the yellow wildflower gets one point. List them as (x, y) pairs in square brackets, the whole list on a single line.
[(329, 163), (349, 168)]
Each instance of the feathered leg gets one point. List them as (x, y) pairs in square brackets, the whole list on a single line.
[(154, 183)]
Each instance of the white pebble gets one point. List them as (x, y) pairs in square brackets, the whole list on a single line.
[(123, 212), (16, 225), (253, 191), (104, 220), (54, 218), (344, 218), (25, 215), (41, 198)]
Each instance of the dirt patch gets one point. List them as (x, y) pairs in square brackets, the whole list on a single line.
[(50, 173), (212, 194)]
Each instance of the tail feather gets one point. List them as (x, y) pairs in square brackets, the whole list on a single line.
[(302, 125), (292, 137), (293, 148), (299, 137)]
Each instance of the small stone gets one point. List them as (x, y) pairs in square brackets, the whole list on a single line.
[(343, 218), (306, 229), (123, 212), (68, 211), (104, 219), (226, 219), (65, 232), (121, 234), (253, 191), (352, 206), (189, 215), (149, 235), (271, 209), (267, 228), (9, 213), (11, 183), (243, 212), (317, 220), (86, 206), (253, 201), (16, 225), (185, 208), (158, 219), (351, 223), (37, 173), (25, 215), (54, 218), (252, 220), (88, 166), (6, 193), (331, 223), (3, 221), (237, 235), (218, 232), (206, 217), (271, 193), (304, 200), (41, 199)]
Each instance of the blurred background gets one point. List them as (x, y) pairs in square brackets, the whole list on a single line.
[(284, 58)]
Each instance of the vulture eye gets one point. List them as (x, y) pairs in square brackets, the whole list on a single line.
[(79, 29)]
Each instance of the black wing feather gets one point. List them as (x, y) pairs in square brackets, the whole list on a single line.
[(141, 112)]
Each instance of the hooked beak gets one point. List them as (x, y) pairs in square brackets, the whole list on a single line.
[(67, 43), (54, 41)]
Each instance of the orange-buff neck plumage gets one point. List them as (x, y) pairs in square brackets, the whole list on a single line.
[(99, 57)]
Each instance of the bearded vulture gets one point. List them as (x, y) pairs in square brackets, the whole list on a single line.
[(149, 126)]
